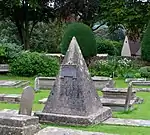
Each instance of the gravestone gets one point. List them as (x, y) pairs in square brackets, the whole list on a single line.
[(26, 101), (117, 97), (15, 124), (128, 97), (74, 99)]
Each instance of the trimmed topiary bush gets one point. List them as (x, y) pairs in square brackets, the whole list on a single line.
[(33, 63), (85, 38), (146, 44)]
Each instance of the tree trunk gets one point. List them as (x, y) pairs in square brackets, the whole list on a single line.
[(26, 38)]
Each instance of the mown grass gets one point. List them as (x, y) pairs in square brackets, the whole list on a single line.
[(141, 111)]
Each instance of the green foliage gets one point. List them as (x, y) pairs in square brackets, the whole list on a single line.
[(113, 67), (146, 44), (145, 72), (8, 33), (10, 45), (137, 75), (47, 37), (133, 15), (9, 51), (108, 46), (33, 63), (84, 36), (2, 51)]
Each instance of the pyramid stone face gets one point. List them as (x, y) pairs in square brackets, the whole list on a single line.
[(73, 99), (126, 48), (73, 92)]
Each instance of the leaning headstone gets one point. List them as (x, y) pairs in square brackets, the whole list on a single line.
[(128, 98), (26, 101), (74, 99)]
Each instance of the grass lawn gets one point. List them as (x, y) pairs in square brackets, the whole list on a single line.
[(142, 111)]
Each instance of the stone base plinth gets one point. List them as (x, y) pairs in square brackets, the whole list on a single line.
[(15, 124), (103, 114)]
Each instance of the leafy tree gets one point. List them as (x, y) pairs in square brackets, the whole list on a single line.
[(133, 15), (146, 44), (25, 14), (46, 37)]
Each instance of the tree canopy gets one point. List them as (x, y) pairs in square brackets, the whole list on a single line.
[(25, 14), (132, 14)]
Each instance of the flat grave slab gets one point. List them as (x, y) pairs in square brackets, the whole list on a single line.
[(12, 111), (14, 124), (10, 98), (128, 122), (117, 104), (63, 131), (141, 83), (127, 80), (15, 83), (117, 93)]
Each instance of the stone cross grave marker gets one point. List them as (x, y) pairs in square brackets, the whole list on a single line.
[(128, 98), (26, 101)]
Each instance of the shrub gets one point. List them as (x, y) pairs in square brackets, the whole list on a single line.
[(137, 75), (33, 63), (145, 72), (113, 67), (84, 36), (146, 44), (9, 51), (108, 46)]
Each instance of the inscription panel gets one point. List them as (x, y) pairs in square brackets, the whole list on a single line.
[(68, 71)]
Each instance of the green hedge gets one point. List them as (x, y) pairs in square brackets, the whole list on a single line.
[(33, 63), (84, 36), (146, 44), (108, 46)]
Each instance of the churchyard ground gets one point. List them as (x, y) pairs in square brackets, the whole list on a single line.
[(141, 111)]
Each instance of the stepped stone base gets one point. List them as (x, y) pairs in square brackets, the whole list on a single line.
[(103, 114), (62, 131), (15, 124)]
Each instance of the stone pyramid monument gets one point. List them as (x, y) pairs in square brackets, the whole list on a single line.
[(126, 48), (73, 99)]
